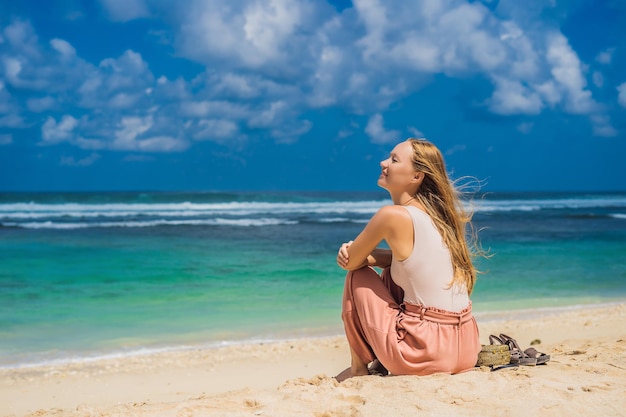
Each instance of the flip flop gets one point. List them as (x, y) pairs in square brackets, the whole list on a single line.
[(517, 354), (541, 357)]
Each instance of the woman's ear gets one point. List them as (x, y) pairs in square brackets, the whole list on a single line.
[(419, 177)]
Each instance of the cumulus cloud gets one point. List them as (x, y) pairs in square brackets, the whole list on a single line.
[(270, 62), (513, 97), (566, 69), (54, 132), (245, 33), (216, 129), (134, 133), (377, 132)]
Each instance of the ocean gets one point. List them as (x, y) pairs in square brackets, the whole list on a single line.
[(90, 275)]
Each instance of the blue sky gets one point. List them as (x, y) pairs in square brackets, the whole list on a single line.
[(309, 95)]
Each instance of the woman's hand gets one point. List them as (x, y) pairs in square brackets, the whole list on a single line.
[(342, 256)]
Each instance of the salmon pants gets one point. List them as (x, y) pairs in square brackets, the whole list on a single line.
[(407, 339)]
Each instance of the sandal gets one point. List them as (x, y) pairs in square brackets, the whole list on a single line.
[(540, 357), (517, 354)]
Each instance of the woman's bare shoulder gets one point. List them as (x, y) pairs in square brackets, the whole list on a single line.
[(393, 213)]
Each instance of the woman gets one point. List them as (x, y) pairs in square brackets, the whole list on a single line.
[(416, 317)]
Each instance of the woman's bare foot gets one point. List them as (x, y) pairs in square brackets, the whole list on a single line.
[(348, 373), (377, 368)]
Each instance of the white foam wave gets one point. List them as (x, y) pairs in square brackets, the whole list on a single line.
[(36, 210), (618, 215), (152, 223), (543, 204), (342, 220), (78, 215)]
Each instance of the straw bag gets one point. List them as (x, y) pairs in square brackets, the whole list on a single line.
[(494, 355)]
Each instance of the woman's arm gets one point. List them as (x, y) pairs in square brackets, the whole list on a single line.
[(379, 257), (362, 251)]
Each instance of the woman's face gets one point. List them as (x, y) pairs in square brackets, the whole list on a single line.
[(397, 172)]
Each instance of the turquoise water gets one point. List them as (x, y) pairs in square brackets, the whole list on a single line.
[(84, 275)]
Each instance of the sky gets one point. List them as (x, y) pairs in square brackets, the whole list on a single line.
[(291, 95)]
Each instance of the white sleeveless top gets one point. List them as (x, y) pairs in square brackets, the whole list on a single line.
[(425, 276)]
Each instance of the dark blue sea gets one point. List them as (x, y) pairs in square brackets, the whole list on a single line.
[(86, 275)]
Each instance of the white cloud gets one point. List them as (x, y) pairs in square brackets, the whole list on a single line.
[(132, 134), (292, 131), (248, 33), (124, 100), (270, 61), (268, 116), (53, 132), (512, 97), (29, 66), (83, 162), (128, 130), (63, 47), (523, 58), (621, 97), (21, 36), (419, 53), (117, 83), (416, 133), (602, 126), (12, 68), (216, 129), (219, 108), (268, 25), (605, 57), (161, 144), (238, 85), (549, 92), (377, 133), (566, 70)]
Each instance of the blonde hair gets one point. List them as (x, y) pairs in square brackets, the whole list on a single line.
[(442, 201)]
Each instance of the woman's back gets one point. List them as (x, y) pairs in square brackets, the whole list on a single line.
[(427, 274)]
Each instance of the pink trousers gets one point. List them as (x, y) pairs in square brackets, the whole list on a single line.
[(407, 339)]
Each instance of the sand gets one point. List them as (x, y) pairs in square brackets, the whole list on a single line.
[(586, 376)]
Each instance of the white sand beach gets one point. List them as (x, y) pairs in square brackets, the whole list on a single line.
[(585, 376)]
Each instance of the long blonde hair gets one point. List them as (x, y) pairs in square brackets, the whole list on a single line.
[(442, 201)]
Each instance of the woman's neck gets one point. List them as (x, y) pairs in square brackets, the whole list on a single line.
[(403, 199)]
